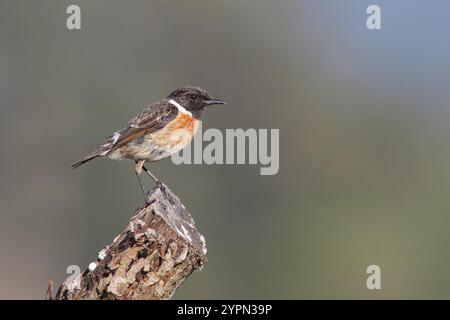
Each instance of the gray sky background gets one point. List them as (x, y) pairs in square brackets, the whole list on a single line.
[(364, 141)]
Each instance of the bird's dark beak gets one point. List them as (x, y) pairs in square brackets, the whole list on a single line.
[(215, 101)]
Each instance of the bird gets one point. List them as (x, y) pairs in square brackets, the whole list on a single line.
[(158, 131)]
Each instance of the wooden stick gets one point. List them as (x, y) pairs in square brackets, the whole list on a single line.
[(150, 259)]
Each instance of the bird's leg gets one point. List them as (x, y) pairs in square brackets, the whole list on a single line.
[(151, 175), (138, 171)]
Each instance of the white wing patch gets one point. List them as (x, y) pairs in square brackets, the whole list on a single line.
[(115, 137), (180, 107)]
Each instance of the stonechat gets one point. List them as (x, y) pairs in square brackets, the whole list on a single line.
[(160, 130)]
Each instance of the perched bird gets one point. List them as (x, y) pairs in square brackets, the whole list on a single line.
[(160, 130)]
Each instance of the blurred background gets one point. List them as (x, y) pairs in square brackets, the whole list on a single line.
[(364, 141)]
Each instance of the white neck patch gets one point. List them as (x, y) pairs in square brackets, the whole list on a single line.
[(179, 107)]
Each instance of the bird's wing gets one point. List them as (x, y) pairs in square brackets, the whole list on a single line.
[(151, 119)]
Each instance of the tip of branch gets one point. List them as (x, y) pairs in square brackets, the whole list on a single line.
[(49, 293), (168, 206)]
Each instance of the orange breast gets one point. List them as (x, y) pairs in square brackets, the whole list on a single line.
[(178, 133), (184, 121)]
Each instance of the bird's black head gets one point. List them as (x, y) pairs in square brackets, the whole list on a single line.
[(194, 99)]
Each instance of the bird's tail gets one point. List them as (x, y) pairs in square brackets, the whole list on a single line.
[(99, 152), (84, 160)]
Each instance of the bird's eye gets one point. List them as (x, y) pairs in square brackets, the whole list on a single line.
[(193, 97)]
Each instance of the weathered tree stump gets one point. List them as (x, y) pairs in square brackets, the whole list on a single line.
[(150, 259)]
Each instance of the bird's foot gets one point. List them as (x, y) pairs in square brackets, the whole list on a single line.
[(159, 184)]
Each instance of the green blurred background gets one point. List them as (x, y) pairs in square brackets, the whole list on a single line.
[(364, 141)]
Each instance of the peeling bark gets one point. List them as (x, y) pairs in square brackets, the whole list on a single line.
[(150, 259)]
